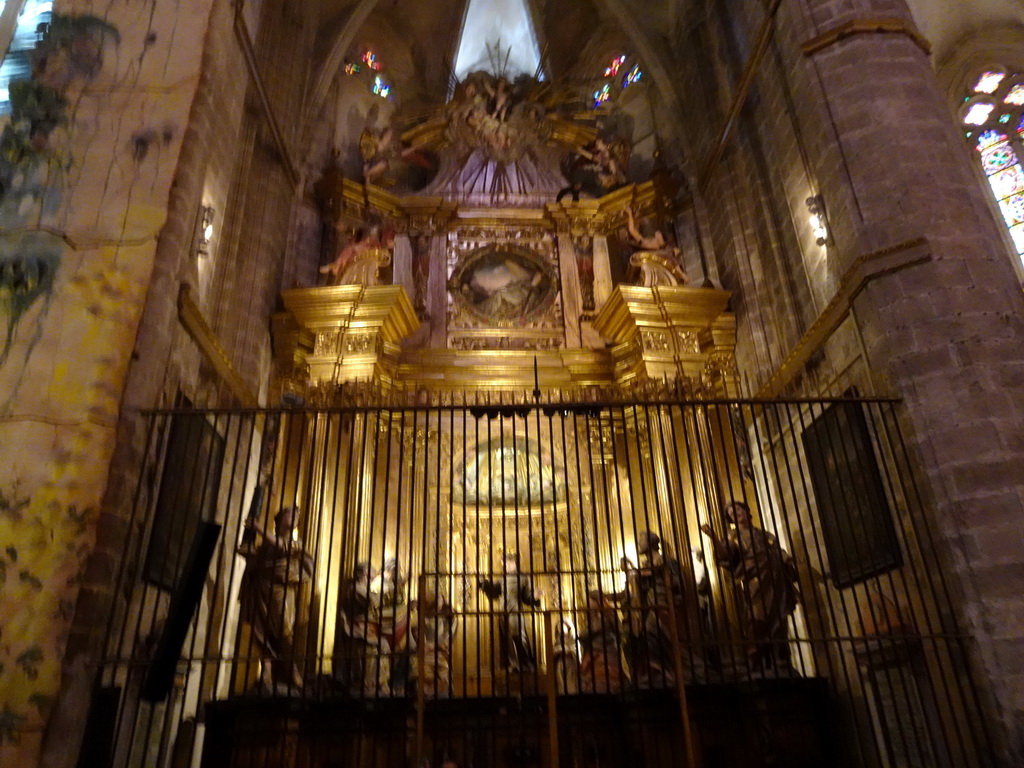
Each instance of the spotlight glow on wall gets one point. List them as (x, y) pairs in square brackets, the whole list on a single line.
[(206, 230), (816, 217)]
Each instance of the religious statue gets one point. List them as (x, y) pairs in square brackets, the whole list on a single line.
[(269, 593), (433, 625), (597, 168), (512, 592), (768, 581), (705, 608), (583, 247), (379, 147), (601, 670), (421, 273), (389, 591), (359, 262), (645, 601), (363, 668), (656, 259), (566, 658), (501, 119)]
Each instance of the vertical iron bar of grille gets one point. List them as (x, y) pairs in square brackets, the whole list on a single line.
[(192, 419), (657, 470), (973, 745), (833, 632), (841, 508), (112, 654), (123, 649), (918, 614)]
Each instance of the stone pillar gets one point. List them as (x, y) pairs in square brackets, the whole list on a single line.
[(437, 300), (402, 265), (944, 324), (69, 336), (572, 304), (602, 272)]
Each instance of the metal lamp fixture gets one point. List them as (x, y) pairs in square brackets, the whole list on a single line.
[(818, 221), (206, 230)]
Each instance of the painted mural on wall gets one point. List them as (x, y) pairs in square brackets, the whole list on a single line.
[(69, 53), (68, 309), (23, 575)]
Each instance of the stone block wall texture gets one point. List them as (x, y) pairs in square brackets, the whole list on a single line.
[(871, 132)]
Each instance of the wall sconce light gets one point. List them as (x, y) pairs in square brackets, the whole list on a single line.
[(206, 230), (817, 218)]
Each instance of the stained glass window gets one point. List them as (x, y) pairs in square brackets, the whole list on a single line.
[(613, 69), (623, 71), (979, 112), (988, 82), (370, 63), (996, 136), (1016, 95), (34, 16)]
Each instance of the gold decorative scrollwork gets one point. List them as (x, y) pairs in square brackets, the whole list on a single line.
[(688, 342), (656, 341), (327, 342)]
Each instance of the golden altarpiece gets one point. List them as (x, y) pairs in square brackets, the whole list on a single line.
[(513, 510), (503, 482)]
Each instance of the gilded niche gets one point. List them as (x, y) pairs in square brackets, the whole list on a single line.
[(510, 472), (503, 283)]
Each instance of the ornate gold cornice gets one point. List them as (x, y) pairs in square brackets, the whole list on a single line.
[(191, 317), (670, 332), (428, 214), (572, 134), (341, 333), (512, 370), (353, 333), (866, 26), (381, 308), (436, 214)]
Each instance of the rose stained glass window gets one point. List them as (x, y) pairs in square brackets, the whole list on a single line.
[(996, 135)]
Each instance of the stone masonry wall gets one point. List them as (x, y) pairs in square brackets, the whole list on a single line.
[(946, 335)]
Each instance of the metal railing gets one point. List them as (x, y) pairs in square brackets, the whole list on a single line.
[(706, 583)]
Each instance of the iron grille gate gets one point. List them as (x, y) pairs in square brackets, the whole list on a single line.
[(576, 584)]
